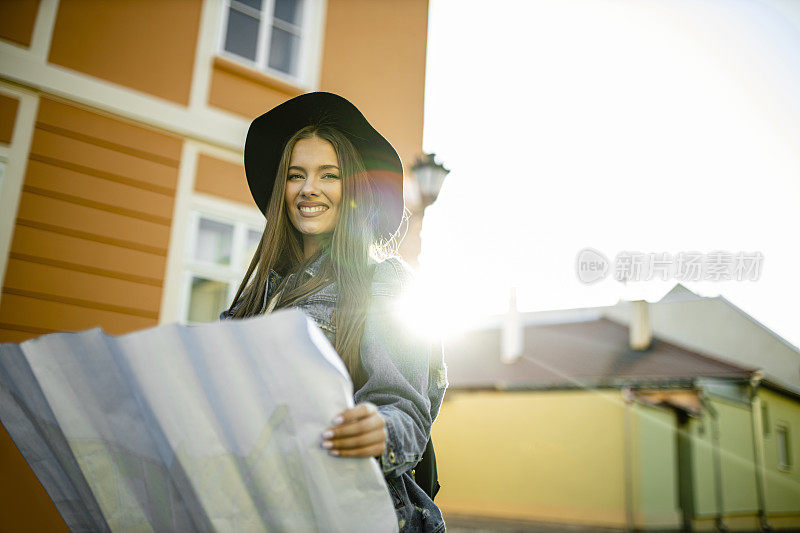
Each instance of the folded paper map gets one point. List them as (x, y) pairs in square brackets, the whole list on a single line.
[(191, 428)]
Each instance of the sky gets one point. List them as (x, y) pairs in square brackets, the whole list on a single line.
[(637, 125)]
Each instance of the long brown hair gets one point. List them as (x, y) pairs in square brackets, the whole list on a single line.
[(351, 248)]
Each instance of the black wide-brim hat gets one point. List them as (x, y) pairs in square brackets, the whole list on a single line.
[(269, 133)]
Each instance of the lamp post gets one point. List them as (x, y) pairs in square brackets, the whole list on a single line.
[(428, 177)]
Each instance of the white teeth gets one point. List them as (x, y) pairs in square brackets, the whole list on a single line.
[(313, 209)]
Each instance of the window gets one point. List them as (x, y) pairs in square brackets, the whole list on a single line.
[(217, 255), (784, 450), (276, 36)]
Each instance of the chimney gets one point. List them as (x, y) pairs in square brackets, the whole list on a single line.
[(640, 333), (512, 331)]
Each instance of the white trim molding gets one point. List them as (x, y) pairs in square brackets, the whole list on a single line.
[(204, 55), (28, 68), (43, 29), (227, 209), (188, 203), (19, 66), (169, 309), (316, 43), (16, 159)]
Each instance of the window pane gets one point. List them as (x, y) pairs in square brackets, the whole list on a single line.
[(214, 242), (241, 35), (289, 11), (784, 457), (207, 299), (283, 50), (253, 238), (255, 4)]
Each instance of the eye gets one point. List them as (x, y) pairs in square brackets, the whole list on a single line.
[(334, 176), (293, 176)]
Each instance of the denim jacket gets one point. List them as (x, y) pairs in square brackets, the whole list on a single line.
[(406, 380)]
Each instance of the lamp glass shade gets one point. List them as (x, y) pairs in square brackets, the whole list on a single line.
[(430, 176)]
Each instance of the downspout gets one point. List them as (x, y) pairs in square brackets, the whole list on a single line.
[(627, 450), (719, 523), (758, 449)]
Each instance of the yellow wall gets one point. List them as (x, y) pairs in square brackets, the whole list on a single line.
[(24, 504), (17, 18), (245, 91), (223, 179), (8, 117), (552, 456), (559, 456), (147, 48), (374, 55), (92, 231)]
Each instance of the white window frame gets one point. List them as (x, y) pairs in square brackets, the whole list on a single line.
[(311, 32), (232, 274), (5, 154), (3, 166)]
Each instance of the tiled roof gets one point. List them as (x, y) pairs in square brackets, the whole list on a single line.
[(576, 354)]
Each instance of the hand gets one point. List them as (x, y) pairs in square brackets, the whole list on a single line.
[(360, 433)]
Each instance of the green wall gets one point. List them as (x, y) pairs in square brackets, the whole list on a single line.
[(656, 499), (783, 486), (737, 456)]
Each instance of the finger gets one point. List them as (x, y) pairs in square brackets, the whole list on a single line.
[(358, 441), (371, 423), (359, 411), (366, 451)]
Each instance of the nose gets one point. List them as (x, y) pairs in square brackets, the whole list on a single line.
[(310, 187)]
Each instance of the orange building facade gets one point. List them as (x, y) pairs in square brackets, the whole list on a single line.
[(123, 200)]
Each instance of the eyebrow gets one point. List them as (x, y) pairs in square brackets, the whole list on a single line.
[(321, 167)]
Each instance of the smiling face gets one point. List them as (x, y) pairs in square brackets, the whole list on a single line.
[(313, 190)]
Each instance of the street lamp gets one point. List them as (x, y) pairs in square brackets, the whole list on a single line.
[(419, 193), (430, 176)]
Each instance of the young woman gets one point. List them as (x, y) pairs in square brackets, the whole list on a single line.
[(331, 189)]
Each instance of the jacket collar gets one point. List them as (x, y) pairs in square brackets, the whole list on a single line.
[(313, 268)]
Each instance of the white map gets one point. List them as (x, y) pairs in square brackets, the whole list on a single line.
[(191, 428)]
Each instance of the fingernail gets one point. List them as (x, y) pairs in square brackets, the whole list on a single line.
[(327, 444), (334, 452), (338, 420), (328, 434)]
